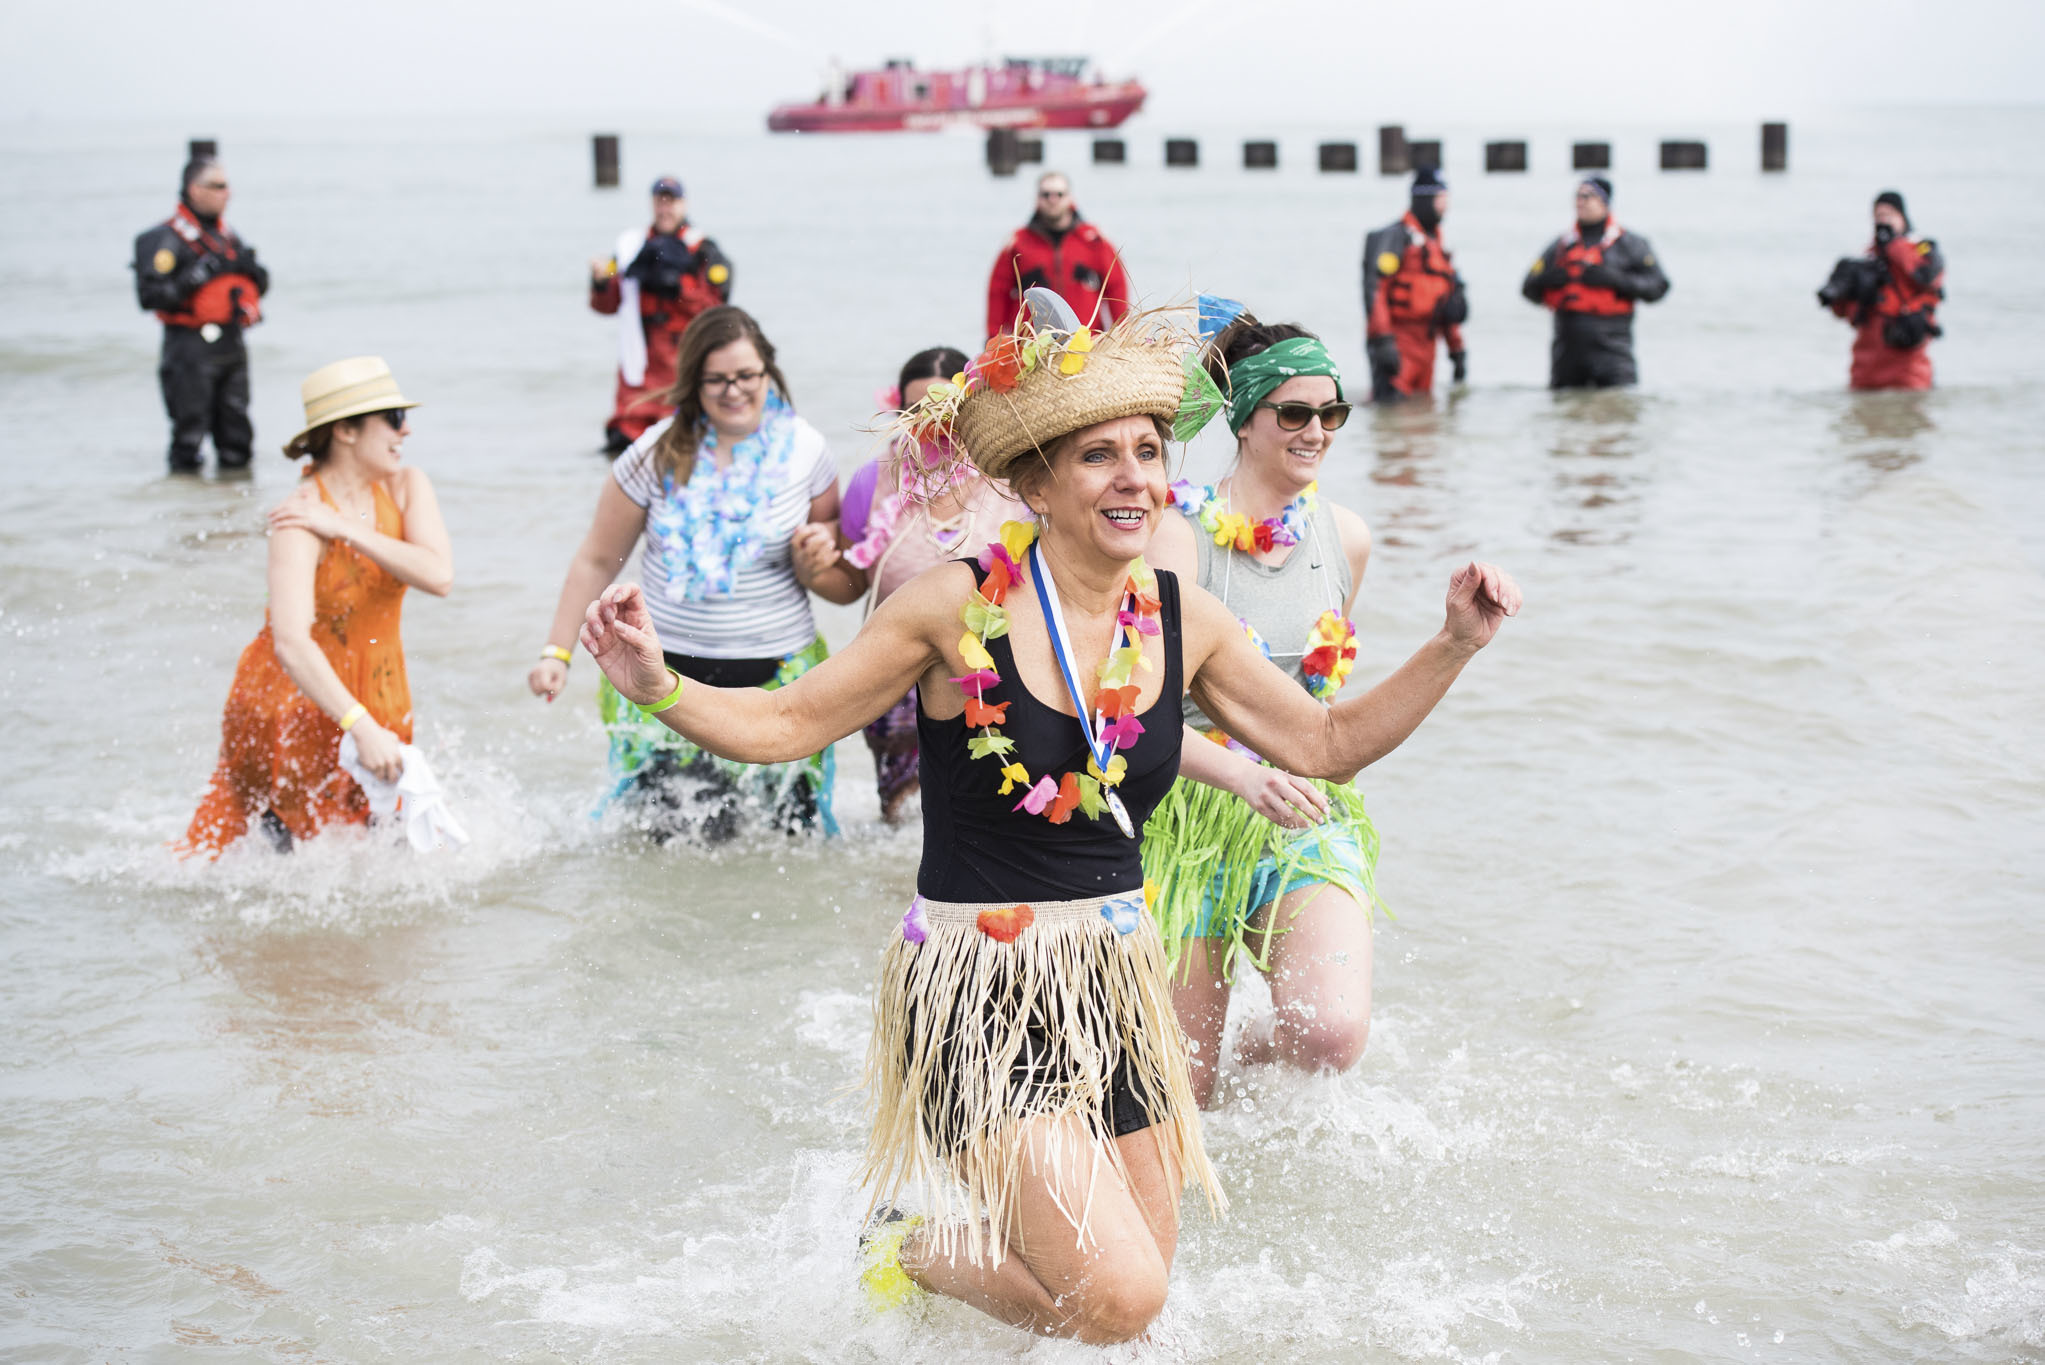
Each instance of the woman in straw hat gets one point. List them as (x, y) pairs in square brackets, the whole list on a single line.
[(717, 494), (1252, 863), (359, 530), (1027, 1079)]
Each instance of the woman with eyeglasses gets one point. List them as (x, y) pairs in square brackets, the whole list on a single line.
[(1252, 864), (716, 495), (360, 529)]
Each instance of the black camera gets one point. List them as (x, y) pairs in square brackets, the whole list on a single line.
[(1856, 280)]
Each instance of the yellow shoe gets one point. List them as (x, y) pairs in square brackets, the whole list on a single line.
[(887, 1285)]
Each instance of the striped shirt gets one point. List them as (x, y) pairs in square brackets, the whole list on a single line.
[(766, 615)]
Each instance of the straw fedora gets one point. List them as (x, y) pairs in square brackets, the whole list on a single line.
[(347, 388), (1124, 376)]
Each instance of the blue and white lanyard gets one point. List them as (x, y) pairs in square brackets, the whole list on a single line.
[(1101, 752)]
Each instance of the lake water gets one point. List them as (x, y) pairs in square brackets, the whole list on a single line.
[(1710, 1025)]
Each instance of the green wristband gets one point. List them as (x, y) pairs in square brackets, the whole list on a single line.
[(669, 700)]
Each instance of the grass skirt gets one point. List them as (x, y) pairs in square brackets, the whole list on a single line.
[(1201, 852), (988, 1015), (637, 738)]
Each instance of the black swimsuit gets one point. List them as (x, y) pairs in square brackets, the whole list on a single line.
[(978, 847)]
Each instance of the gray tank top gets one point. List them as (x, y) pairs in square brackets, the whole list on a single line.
[(1281, 603)]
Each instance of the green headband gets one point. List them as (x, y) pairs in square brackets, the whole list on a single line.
[(1251, 379)]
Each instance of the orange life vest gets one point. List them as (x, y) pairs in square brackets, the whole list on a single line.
[(226, 299), (1578, 297), (1419, 282)]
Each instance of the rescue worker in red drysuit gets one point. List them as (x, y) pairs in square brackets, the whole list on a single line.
[(667, 277), (1412, 296), (1592, 276), (1890, 295), (205, 285), (1062, 252)]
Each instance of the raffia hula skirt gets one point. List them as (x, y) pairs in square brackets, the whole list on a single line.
[(989, 1016)]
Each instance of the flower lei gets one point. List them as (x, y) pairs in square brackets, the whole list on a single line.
[(986, 618), (709, 528), (1331, 654), (1236, 531)]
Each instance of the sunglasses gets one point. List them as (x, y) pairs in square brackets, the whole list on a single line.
[(395, 417), (1295, 416)]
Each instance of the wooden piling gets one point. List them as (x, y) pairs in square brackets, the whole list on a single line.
[(1029, 149), (1004, 150), (1683, 156), (1260, 156), (1505, 156), (1110, 151), (1775, 146), (1338, 156), (605, 146), (201, 149), (1394, 157), (1424, 154), (1591, 156), (1181, 151)]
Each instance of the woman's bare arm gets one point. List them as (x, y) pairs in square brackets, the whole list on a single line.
[(906, 637), (420, 557), (1252, 698)]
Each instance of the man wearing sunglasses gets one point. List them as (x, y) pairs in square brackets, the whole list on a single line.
[(1060, 251), (1412, 295), (1591, 276), (205, 285), (655, 282)]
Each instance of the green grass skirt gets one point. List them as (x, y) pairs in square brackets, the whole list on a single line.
[(1203, 845)]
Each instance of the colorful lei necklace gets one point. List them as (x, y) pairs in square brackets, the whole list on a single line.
[(986, 618), (717, 523), (1236, 531)]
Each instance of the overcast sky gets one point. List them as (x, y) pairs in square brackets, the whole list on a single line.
[(1277, 62)]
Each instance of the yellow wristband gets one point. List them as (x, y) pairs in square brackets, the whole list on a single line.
[(556, 652), (669, 700), (355, 713)]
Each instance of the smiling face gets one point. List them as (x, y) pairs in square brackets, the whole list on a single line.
[(1289, 458), (734, 388), (1104, 490), (371, 445)]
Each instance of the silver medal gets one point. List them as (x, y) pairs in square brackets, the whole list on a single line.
[(1121, 814)]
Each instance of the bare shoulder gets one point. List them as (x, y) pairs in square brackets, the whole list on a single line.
[(1355, 530), (932, 598), (408, 483)]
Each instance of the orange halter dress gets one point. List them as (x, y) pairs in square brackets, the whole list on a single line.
[(278, 751)]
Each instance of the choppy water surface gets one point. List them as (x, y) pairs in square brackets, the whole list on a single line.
[(1710, 1025)]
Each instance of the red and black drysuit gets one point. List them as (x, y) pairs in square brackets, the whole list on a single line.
[(1411, 296), (1890, 295), (679, 275), (1592, 278), (1074, 262), (205, 285)]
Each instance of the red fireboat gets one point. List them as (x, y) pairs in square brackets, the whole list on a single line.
[(1022, 92)]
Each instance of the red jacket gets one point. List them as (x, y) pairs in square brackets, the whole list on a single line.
[(1079, 265), (1904, 309), (1407, 276), (702, 280)]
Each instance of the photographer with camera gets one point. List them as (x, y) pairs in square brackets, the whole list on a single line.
[(1890, 294), (1412, 295), (1591, 277), (655, 283), (204, 285)]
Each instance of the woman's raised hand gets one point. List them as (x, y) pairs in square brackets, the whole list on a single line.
[(619, 634), (1481, 596)]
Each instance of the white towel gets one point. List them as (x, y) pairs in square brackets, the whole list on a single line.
[(631, 327), (429, 824)]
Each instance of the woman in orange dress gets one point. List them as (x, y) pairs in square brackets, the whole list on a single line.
[(343, 548)]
